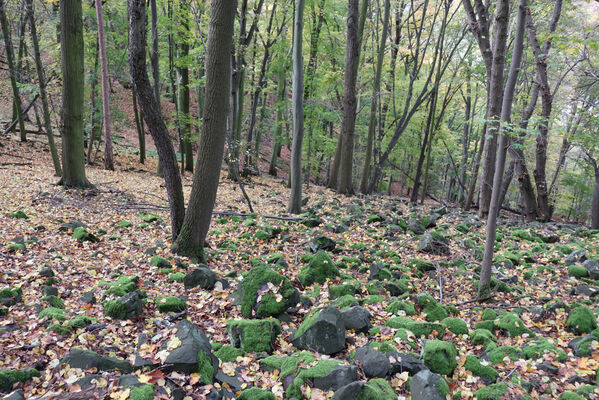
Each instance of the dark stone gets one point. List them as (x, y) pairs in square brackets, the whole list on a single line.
[(86, 381), (233, 381), (374, 363), (405, 362), (140, 362), (325, 335), (415, 226), (549, 368), (425, 386), (46, 272), (342, 375), (593, 267), (202, 276), (356, 318), (321, 243), (16, 395), (49, 291), (585, 290), (88, 298), (431, 245), (71, 225), (577, 256), (349, 392), (134, 304), (539, 314), (374, 271), (129, 380), (85, 359)]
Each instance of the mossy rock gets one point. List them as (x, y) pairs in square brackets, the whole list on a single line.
[(570, 396), (53, 313), (256, 394), (440, 357), (318, 270), (16, 247), (398, 305), (578, 271), (18, 214), (434, 311), (61, 329), (170, 304), (254, 335), (539, 347), (280, 293), (488, 314), (160, 262), (8, 377), (497, 355), (81, 234), (337, 291), (149, 217), (144, 392), (497, 391), (54, 301), (488, 325), (320, 369), (228, 353), (511, 323), (11, 296), (81, 321), (581, 320), (417, 328), (345, 301), (474, 365), (321, 243), (124, 224), (116, 309), (373, 299), (456, 325), (122, 286), (421, 265), (3, 312), (176, 277), (482, 337), (377, 389)]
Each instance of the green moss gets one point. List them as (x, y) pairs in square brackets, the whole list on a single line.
[(373, 299), (484, 371), (159, 261), (318, 270), (498, 354), (54, 301), (433, 310), (8, 377), (488, 325), (421, 265), (268, 306), (586, 342), (149, 217), (288, 365), (570, 396), (377, 389), (455, 325), (145, 392), (345, 301), (511, 323), (16, 246), (123, 224), (321, 369), (522, 234), (205, 368), (115, 309), (482, 337), (440, 356), (578, 271), (261, 235), (443, 388), (417, 328), (62, 329), (375, 288), (11, 296), (52, 313), (256, 394), (254, 335), (542, 346), (176, 277), (385, 347), (581, 320), (341, 290), (492, 392), (308, 321), (83, 235), (488, 314), (3, 312), (397, 305), (50, 281), (81, 321), (228, 353), (170, 303), (122, 286), (18, 214)]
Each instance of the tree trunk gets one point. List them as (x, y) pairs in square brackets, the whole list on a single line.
[(595, 205), (151, 113), (348, 123), (94, 125), (141, 135), (484, 285), (73, 159), (108, 156), (183, 115), (42, 85), (190, 241), (376, 87), (295, 199), (277, 138), (11, 69)]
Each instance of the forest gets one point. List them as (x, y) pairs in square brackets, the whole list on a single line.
[(299, 199)]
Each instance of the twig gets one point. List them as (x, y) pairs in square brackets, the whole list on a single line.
[(508, 375)]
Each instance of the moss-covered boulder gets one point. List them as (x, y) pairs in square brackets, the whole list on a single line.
[(486, 372), (421, 265), (254, 335), (322, 331), (416, 327), (578, 271), (440, 356), (512, 324), (122, 286), (496, 391), (401, 307), (581, 320), (228, 353), (81, 321), (143, 392), (52, 313), (434, 311), (426, 385), (10, 296), (81, 234), (482, 337), (498, 354), (455, 325), (266, 293), (536, 349), (375, 389), (256, 394), (336, 291), (318, 270), (128, 306), (202, 276), (321, 243), (160, 262), (8, 377), (170, 304), (86, 359)]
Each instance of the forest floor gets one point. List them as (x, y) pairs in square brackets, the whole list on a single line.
[(528, 336)]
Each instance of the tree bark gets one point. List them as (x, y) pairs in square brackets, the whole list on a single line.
[(108, 156), (141, 135), (151, 113), (295, 198), (193, 233), (183, 115), (277, 139), (348, 124)]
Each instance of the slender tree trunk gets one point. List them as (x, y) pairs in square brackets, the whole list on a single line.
[(277, 138), (595, 204), (348, 124), (183, 92), (466, 131), (484, 286), (93, 117), (108, 156), (190, 241), (141, 135), (295, 198), (376, 87), (42, 85), (423, 147), (151, 113), (11, 69)]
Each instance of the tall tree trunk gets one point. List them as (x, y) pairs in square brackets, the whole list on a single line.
[(141, 135), (151, 113), (11, 69), (348, 123), (425, 143), (484, 285), (376, 87), (93, 117), (467, 130), (277, 138), (108, 156), (183, 114), (73, 159), (295, 198), (595, 204), (42, 85), (190, 241)]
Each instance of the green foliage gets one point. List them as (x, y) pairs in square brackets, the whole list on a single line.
[(170, 304)]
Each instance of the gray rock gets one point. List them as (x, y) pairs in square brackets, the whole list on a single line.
[(342, 375), (415, 226), (321, 243), (374, 363), (86, 359), (234, 382), (49, 291), (71, 225), (202, 276), (140, 362), (129, 381), (349, 392), (374, 271), (549, 368), (593, 267), (425, 386), (590, 291), (86, 381), (16, 395), (134, 304), (325, 334), (405, 362), (577, 256), (356, 318), (429, 244), (88, 298), (46, 272), (539, 314)]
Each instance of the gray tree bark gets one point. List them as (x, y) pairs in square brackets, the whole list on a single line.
[(108, 156)]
